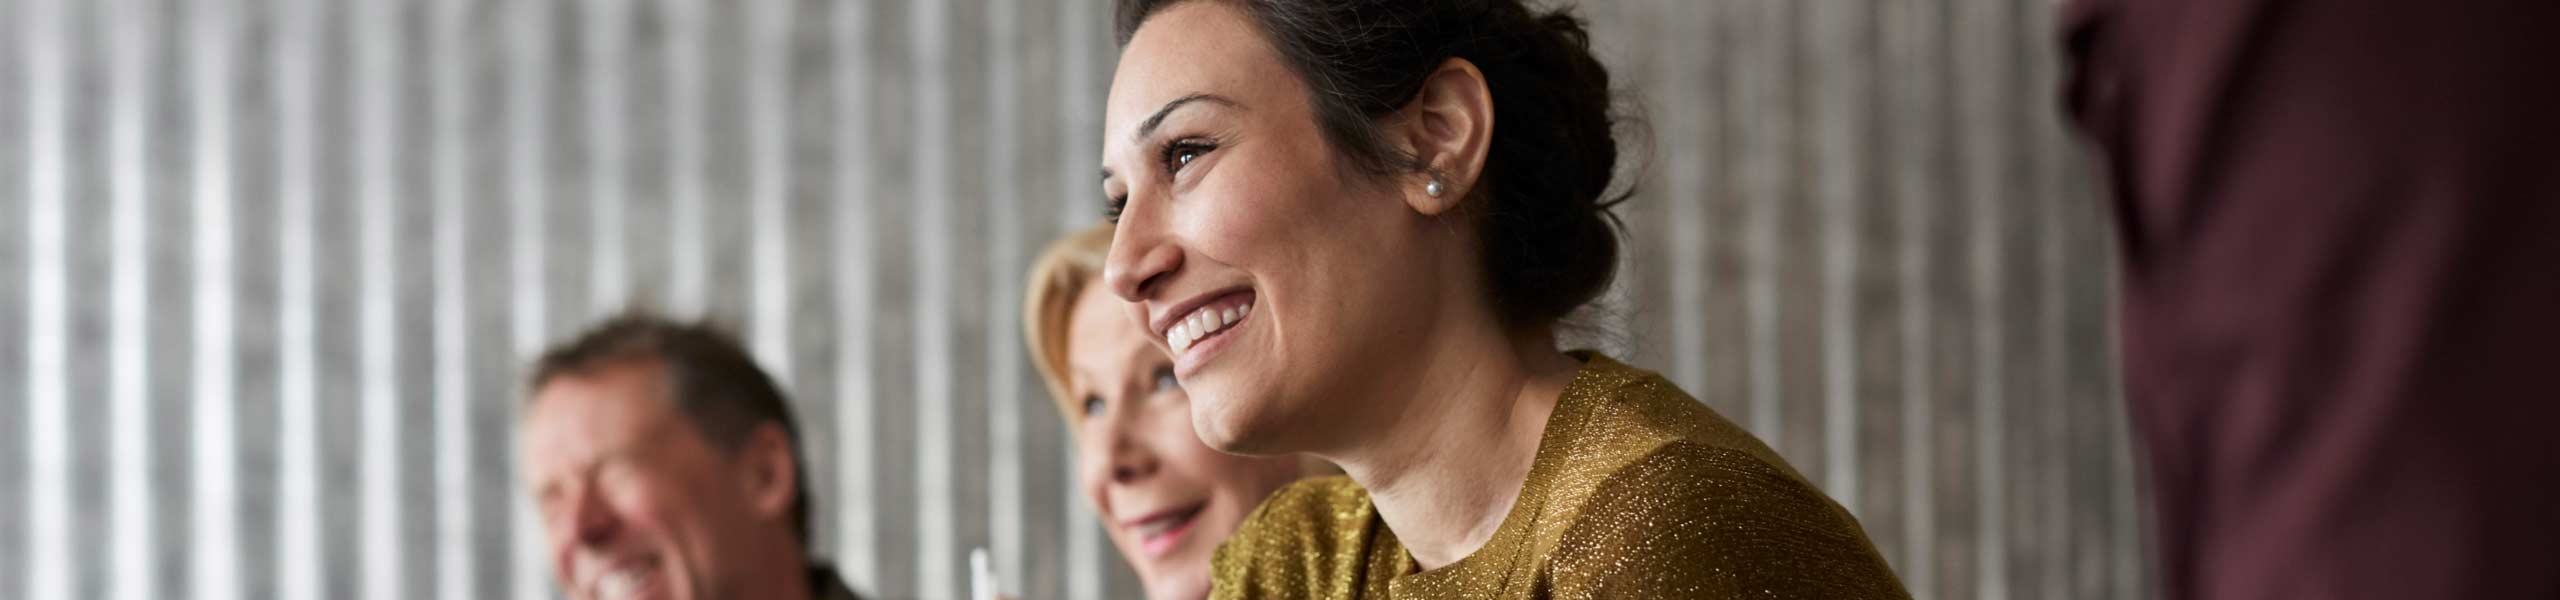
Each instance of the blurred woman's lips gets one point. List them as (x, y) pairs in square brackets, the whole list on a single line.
[(1160, 532)]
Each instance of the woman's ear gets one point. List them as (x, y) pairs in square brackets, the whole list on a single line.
[(1449, 129), (765, 465)]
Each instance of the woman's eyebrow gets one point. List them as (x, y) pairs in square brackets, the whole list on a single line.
[(1148, 126)]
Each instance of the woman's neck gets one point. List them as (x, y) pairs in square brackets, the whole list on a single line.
[(1447, 465)]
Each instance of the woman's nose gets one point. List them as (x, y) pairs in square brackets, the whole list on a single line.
[(1126, 459), (1141, 257)]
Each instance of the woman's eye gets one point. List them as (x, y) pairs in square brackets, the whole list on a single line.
[(1092, 405), (1165, 381), (1179, 154)]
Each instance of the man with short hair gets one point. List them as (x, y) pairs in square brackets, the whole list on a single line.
[(665, 464)]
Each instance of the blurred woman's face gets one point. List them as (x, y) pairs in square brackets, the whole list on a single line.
[(1166, 500), (1280, 279)]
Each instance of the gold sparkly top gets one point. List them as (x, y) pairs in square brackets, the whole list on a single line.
[(1637, 491)]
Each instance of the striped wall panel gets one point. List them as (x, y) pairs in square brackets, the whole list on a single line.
[(269, 270)]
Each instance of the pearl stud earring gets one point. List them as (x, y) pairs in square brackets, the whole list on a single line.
[(1432, 188)]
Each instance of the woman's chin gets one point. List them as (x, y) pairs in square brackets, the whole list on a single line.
[(1223, 440), (1233, 431)]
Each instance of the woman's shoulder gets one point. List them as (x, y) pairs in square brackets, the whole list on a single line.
[(1638, 412), (1306, 541), (1694, 518)]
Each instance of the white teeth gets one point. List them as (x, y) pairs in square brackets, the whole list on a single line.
[(1201, 324), (1157, 526), (615, 585), (620, 583)]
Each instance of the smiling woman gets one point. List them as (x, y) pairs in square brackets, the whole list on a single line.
[(1165, 499), (1355, 225)]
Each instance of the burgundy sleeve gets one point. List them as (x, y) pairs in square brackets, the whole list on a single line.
[(2340, 232)]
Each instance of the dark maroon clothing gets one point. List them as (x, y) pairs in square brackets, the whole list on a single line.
[(2341, 315)]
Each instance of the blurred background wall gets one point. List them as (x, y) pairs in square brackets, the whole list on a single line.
[(269, 269)]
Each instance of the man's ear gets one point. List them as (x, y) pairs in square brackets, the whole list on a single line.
[(765, 465), (1449, 128)]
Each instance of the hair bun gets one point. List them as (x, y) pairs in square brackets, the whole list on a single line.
[(1551, 243)]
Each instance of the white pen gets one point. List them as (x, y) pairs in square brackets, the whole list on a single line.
[(982, 576)]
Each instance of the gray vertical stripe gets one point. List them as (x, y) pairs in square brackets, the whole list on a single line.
[(607, 41), (2052, 197), (15, 495), (858, 538), (2054, 432), (1690, 133), (1840, 104), (300, 562), (1909, 29), (133, 34), (1759, 87), (528, 130), (2133, 574), (937, 544), (528, 101), (769, 29), (683, 23), (458, 575), (377, 143), (1005, 377), (1981, 81), (1080, 111), (215, 538), (48, 446)]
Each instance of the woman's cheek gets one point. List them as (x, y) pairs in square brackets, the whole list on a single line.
[(1243, 206), (1091, 474)]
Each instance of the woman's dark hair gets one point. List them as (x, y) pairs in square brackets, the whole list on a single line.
[(1550, 242)]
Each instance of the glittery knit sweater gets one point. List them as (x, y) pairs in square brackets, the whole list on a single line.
[(1637, 491)]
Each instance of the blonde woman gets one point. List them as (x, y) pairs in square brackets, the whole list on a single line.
[(1166, 499)]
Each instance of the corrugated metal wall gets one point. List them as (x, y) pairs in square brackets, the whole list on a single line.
[(268, 269)]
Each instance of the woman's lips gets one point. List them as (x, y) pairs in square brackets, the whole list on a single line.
[(1209, 319), (1159, 533), (1197, 338)]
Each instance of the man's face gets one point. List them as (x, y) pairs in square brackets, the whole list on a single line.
[(635, 503)]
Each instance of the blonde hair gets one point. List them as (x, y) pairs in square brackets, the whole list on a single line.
[(1059, 278)]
